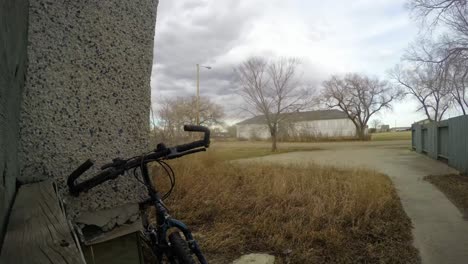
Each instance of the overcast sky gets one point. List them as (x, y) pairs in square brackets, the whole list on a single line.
[(334, 36)]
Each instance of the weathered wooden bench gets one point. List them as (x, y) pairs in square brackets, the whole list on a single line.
[(38, 230)]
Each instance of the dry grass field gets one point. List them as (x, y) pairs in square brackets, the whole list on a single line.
[(308, 214), (404, 135), (246, 149)]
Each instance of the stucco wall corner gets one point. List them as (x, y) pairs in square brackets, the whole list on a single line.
[(87, 93)]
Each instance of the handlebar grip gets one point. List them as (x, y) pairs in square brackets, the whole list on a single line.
[(195, 128), (95, 181), (205, 130), (77, 173)]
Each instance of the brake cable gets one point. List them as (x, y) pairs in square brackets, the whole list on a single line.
[(170, 173)]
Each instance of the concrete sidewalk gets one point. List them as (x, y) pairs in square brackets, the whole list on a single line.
[(440, 232)]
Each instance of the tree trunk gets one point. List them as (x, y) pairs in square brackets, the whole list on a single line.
[(274, 138), (273, 143), (361, 132)]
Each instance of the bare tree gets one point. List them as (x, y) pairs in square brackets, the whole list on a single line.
[(433, 12), (426, 82), (360, 97), (437, 62), (271, 88), (457, 80), (453, 43), (174, 113), (375, 123)]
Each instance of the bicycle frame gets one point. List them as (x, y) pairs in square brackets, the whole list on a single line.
[(164, 222)]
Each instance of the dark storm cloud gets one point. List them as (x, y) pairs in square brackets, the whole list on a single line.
[(191, 32)]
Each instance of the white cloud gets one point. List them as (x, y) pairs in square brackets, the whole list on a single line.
[(332, 36)]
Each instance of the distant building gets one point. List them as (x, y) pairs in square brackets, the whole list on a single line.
[(322, 123), (400, 129), (218, 135), (423, 122), (383, 128)]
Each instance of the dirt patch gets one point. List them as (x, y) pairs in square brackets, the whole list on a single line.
[(455, 187)]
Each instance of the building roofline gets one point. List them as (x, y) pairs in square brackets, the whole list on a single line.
[(300, 116)]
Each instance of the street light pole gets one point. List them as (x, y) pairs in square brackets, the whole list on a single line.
[(198, 94), (198, 91)]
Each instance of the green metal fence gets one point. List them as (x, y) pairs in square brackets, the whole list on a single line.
[(446, 140)]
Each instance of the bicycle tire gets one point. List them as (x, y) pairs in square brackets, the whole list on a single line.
[(180, 249), (147, 250)]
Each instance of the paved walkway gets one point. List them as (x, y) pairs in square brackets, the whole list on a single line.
[(440, 232)]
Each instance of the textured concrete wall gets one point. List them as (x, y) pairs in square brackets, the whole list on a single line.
[(13, 66), (87, 92)]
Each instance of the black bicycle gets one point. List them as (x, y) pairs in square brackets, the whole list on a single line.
[(164, 239)]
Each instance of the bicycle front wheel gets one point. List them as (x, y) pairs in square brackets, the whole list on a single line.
[(181, 251)]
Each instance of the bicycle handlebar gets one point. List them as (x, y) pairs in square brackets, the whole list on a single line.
[(205, 130), (119, 166), (205, 142)]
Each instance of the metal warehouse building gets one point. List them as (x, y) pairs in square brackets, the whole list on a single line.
[(446, 140), (322, 123)]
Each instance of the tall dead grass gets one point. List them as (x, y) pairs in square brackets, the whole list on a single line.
[(308, 214)]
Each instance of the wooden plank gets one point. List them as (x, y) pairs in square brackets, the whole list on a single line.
[(38, 231)]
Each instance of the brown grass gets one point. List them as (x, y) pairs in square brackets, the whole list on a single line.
[(242, 150), (384, 136), (318, 214), (320, 138)]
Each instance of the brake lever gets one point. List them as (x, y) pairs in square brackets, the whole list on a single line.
[(175, 154), (161, 146), (115, 163)]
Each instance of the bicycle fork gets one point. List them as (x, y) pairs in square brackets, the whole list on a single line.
[(192, 243)]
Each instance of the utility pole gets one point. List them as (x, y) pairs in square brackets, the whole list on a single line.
[(198, 94), (198, 90)]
